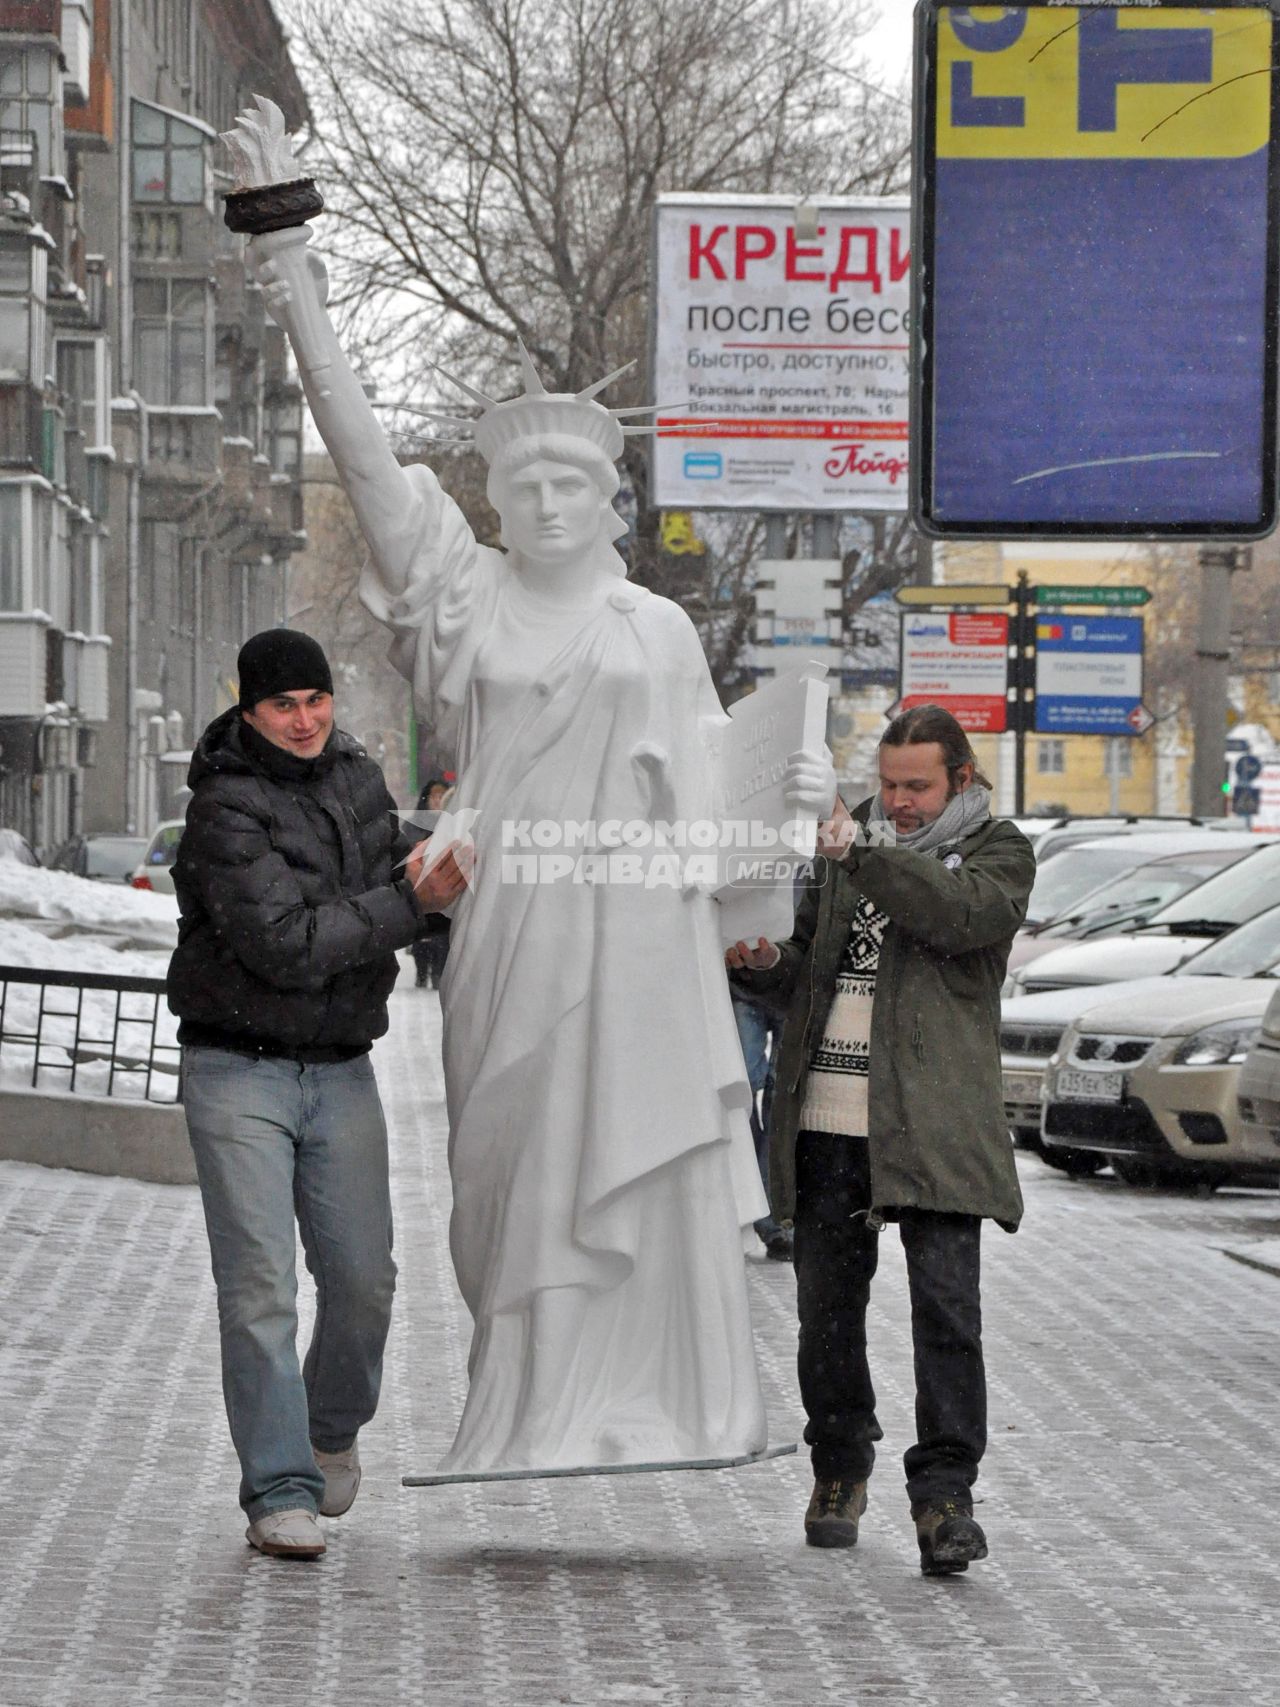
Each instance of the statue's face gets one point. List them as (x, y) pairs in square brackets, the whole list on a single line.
[(551, 511)]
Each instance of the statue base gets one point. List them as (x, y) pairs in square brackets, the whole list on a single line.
[(444, 1481)]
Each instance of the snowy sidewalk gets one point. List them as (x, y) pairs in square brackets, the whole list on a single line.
[(1129, 1487)]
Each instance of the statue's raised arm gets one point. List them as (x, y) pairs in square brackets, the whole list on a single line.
[(271, 202)]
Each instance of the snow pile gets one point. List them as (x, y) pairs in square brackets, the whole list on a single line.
[(21, 945), (31, 892)]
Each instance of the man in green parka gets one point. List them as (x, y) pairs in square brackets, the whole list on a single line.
[(888, 1107)]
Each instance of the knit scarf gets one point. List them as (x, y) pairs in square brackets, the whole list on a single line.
[(962, 815)]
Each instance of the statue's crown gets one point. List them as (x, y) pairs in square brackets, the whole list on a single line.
[(538, 412)]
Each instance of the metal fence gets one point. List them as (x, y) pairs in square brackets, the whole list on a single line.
[(119, 1026)]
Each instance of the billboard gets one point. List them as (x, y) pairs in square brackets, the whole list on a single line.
[(1097, 249), (1088, 675), (960, 661), (787, 333)]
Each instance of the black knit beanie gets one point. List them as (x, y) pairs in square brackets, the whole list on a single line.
[(281, 660)]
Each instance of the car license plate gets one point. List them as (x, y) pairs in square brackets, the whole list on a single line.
[(1022, 1087), (1072, 1085)]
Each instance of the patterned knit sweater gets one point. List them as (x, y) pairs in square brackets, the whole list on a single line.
[(836, 1088)]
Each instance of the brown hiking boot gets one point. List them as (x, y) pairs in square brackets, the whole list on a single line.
[(948, 1536), (834, 1510)]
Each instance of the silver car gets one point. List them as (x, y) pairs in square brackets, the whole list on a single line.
[(1259, 1089)]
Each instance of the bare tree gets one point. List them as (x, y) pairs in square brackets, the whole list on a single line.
[(491, 168)]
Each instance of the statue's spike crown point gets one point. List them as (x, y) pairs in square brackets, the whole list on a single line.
[(533, 386), (591, 390), (476, 396)]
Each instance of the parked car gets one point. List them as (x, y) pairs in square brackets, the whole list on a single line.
[(1259, 1089), (155, 869), (1148, 1076), (101, 856), (15, 846), (1051, 836), (1133, 896), (1061, 882), (1031, 1028), (1230, 898)]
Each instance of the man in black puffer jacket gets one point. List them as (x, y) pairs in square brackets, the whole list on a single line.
[(293, 903)]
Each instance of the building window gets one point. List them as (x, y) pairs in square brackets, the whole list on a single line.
[(1051, 757), (26, 108), (284, 436), (168, 158), (12, 536), (77, 363), (157, 234), (15, 312), (170, 344)]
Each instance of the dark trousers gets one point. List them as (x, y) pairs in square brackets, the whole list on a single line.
[(835, 1258), (429, 955)]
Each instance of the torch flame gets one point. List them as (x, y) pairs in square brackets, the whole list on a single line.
[(261, 150)]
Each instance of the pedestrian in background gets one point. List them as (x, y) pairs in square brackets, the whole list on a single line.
[(888, 1107), (291, 914), (757, 1027), (430, 947)]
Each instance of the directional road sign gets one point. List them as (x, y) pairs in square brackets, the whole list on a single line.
[(1111, 596), (984, 593)]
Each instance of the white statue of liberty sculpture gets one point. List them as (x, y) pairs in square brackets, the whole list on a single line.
[(599, 1148)]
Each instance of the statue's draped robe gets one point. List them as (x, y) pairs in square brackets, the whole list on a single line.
[(599, 1147)]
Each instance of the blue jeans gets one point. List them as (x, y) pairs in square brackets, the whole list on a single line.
[(275, 1139)]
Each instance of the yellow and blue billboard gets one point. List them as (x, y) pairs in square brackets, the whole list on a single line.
[(1096, 269)]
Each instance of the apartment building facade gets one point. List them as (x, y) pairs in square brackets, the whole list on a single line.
[(150, 424)]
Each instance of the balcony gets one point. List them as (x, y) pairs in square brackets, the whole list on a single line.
[(34, 18), (184, 447), (87, 657), (24, 661)]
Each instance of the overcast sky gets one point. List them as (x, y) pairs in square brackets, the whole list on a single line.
[(888, 45)]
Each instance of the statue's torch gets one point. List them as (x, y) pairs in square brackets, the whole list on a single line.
[(271, 196)]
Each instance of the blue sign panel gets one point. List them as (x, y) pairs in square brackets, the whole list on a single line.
[(1096, 269), (1088, 675)]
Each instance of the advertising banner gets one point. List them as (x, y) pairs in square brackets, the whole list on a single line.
[(788, 336), (1088, 675), (960, 661), (1097, 275)]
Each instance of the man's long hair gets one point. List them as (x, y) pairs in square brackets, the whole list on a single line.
[(932, 723)]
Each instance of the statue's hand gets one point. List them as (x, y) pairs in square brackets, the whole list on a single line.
[(809, 783), (283, 265)]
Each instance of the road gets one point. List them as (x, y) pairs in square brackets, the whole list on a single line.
[(1129, 1489)]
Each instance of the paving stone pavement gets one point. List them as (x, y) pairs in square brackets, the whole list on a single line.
[(1130, 1488)]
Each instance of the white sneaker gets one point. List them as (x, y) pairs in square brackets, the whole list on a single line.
[(341, 1472), (287, 1535)]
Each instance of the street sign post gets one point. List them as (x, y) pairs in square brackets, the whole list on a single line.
[(1246, 802)]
